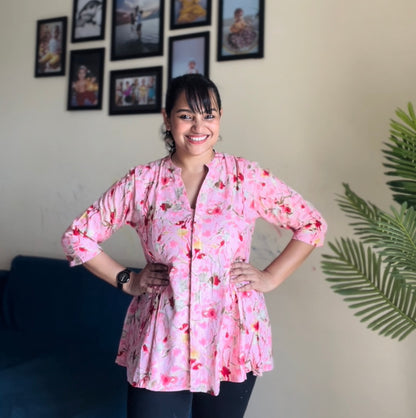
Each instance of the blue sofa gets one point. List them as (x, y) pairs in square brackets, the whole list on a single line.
[(59, 333)]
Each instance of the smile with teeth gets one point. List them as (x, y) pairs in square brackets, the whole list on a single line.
[(199, 138)]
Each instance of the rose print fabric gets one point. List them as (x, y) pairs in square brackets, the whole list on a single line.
[(200, 330)]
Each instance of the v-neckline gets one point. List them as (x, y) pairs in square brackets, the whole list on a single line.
[(196, 194), (192, 190)]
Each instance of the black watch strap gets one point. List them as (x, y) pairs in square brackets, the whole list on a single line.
[(123, 277)]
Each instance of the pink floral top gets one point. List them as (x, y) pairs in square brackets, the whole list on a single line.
[(200, 330)]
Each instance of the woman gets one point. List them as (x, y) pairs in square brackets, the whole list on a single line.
[(197, 325)]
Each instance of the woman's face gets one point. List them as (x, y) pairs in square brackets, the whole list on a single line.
[(195, 134)]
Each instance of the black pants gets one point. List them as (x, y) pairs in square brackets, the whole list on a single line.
[(231, 402)]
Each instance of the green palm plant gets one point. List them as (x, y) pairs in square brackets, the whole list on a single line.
[(376, 273)]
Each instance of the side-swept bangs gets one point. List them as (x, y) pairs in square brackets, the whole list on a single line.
[(201, 93)]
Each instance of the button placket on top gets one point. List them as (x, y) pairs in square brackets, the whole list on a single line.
[(195, 293)]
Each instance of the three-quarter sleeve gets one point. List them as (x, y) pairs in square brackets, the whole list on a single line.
[(81, 241), (274, 201)]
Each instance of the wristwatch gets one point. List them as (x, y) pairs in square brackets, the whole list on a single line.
[(122, 278)]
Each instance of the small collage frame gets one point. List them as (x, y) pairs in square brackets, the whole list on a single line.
[(137, 28)]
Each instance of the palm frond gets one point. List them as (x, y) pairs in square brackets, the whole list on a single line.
[(397, 234), (365, 214), (379, 281), (374, 288), (393, 234), (401, 157)]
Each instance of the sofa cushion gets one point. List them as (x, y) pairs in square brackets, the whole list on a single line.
[(52, 302), (16, 348), (3, 277), (67, 383)]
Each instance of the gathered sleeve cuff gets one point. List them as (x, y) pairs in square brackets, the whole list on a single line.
[(81, 240), (274, 201)]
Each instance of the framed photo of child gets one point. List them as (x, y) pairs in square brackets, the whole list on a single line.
[(88, 20), (240, 29), (189, 54), (85, 84), (137, 29), (189, 13), (135, 91), (51, 47)]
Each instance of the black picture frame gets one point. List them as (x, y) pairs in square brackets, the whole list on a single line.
[(88, 20), (246, 40), (132, 39), (50, 55), (185, 49), (126, 95), (85, 83), (199, 15)]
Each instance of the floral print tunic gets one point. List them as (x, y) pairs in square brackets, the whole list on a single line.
[(200, 330)]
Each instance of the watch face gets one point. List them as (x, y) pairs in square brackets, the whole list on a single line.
[(123, 276)]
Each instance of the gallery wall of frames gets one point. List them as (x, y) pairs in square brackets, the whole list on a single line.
[(137, 31)]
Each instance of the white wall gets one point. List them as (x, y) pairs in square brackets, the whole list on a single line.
[(315, 111)]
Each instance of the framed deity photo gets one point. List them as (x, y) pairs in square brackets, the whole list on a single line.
[(240, 29), (51, 47), (85, 84), (189, 54), (137, 90), (189, 13), (88, 20), (137, 29)]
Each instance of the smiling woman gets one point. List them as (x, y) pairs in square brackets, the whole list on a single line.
[(195, 101), (195, 129), (198, 324)]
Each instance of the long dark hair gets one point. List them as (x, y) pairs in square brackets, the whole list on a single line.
[(201, 94)]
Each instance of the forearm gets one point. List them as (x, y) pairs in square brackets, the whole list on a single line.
[(104, 267), (153, 278), (288, 261)]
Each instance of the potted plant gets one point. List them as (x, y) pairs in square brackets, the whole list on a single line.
[(376, 272)]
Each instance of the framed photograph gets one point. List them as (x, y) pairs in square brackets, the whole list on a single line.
[(137, 29), (189, 54), (136, 90), (189, 13), (88, 20), (240, 29), (85, 86), (51, 47)]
